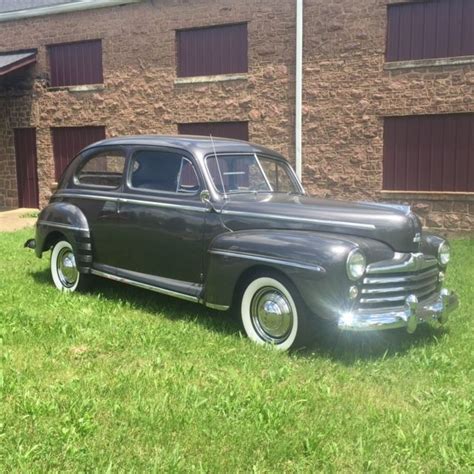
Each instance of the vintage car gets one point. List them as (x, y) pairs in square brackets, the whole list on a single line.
[(227, 224)]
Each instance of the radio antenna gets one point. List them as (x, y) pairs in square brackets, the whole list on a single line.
[(218, 166)]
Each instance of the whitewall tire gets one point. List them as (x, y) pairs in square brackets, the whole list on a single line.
[(66, 276), (272, 312)]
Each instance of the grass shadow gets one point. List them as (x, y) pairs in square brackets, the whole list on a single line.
[(345, 347), (151, 302), (42, 277)]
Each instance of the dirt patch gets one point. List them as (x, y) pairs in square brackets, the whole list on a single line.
[(17, 219), (78, 351)]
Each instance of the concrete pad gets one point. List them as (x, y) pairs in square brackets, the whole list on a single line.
[(16, 219)]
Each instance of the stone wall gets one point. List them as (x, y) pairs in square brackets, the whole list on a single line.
[(140, 94), (347, 90), (8, 197)]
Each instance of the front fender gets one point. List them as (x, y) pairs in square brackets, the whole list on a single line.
[(430, 243), (313, 261), (66, 219)]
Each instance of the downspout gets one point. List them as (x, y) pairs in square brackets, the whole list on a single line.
[(299, 89)]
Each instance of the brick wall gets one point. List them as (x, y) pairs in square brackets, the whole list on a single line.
[(347, 91)]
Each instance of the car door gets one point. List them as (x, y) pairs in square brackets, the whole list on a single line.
[(162, 216), (95, 187)]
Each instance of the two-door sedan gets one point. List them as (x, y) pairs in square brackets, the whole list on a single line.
[(227, 224)]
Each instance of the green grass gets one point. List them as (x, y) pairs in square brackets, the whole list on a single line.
[(121, 379), (30, 215)]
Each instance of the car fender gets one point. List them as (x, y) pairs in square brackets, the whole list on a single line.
[(314, 261), (430, 243), (66, 219)]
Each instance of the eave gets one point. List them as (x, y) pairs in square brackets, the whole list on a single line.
[(64, 8), (18, 61)]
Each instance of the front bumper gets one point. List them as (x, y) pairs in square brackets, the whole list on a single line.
[(435, 309)]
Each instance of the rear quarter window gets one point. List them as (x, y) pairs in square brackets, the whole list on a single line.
[(104, 169)]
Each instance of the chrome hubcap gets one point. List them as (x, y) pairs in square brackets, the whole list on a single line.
[(272, 316), (67, 270)]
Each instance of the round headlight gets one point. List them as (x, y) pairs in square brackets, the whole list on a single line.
[(444, 253), (356, 265)]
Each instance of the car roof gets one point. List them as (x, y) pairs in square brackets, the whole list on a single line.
[(197, 145)]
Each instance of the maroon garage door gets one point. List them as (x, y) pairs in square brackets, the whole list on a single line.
[(74, 64), (69, 141), (215, 50), (429, 153), (430, 29), (26, 173), (235, 130)]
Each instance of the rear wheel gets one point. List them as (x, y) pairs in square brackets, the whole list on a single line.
[(272, 312), (66, 276)]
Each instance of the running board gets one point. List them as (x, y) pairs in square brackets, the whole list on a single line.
[(146, 286), (157, 289)]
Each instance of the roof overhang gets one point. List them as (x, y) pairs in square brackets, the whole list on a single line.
[(11, 62), (65, 7)]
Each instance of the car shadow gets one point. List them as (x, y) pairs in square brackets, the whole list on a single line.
[(149, 301), (344, 347)]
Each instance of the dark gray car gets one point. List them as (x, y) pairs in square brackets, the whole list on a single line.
[(227, 223)]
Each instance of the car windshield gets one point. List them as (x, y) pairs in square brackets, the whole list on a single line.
[(243, 173)]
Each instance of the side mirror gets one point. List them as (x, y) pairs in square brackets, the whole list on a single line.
[(205, 197)]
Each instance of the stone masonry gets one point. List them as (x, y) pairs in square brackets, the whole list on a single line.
[(348, 93), (347, 90)]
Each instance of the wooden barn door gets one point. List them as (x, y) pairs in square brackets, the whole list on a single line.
[(234, 130), (26, 171), (69, 141)]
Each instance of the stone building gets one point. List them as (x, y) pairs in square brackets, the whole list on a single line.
[(387, 102)]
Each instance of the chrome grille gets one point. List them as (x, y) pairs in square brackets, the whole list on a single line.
[(389, 283)]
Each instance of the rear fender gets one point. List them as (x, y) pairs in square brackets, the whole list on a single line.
[(65, 219)]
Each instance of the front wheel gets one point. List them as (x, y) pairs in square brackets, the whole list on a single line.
[(66, 276), (272, 312)]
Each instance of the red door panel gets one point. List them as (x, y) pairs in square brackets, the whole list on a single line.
[(429, 153), (69, 141), (235, 130), (26, 171)]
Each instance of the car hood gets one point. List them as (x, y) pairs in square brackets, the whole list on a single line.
[(394, 225)]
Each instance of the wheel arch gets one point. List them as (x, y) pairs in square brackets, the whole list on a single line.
[(62, 220), (255, 270), (51, 239)]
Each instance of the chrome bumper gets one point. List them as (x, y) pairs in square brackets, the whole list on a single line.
[(436, 309)]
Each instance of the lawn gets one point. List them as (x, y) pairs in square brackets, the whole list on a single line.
[(121, 379)]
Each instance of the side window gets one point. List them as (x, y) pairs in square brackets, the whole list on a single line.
[(104, 169), (236, 173), (158, 170), (277, 175), (188, 181)]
